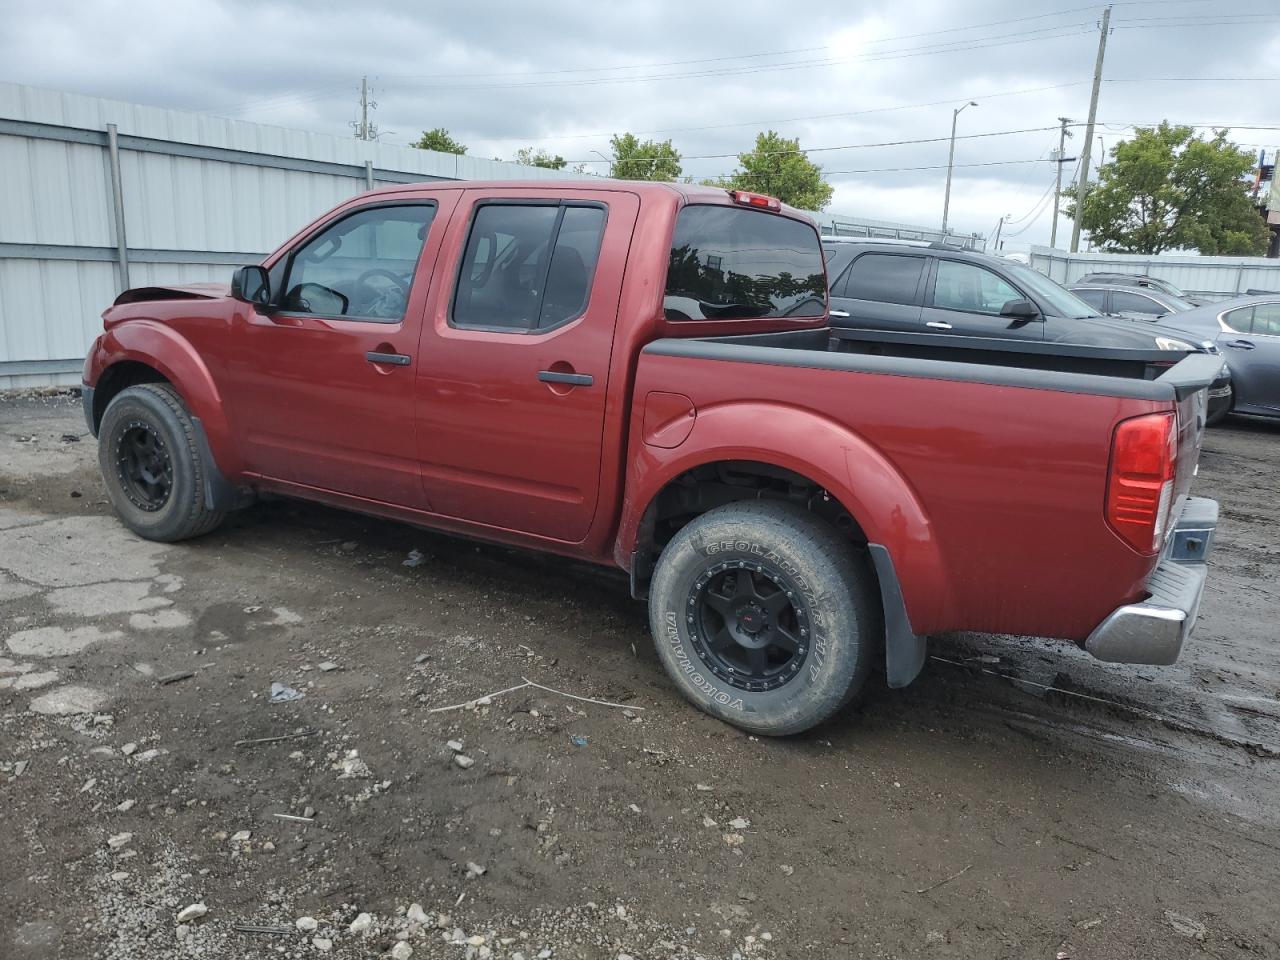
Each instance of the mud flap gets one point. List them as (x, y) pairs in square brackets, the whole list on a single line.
[(904, 652), (219, 493)]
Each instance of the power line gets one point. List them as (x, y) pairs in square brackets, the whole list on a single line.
[(778, 121), (852, 146), (938, 166)]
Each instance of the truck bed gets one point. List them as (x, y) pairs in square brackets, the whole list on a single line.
[(981, 464), (1105, 371)]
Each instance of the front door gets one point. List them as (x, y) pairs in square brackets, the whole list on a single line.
[(966, 299), (514, 372), (321, 386)]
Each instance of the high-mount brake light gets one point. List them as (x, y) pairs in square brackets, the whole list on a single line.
[(758, 200), (1144, 453)]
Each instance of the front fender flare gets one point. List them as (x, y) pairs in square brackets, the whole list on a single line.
[(163, 349)]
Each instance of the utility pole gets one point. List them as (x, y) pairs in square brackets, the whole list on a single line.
[(951, 158), (1088, 135), (364, 129), (1057, 190), (995, 246)]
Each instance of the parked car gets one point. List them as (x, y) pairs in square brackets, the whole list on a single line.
[(1148, 306), (944, 289), (1247, 331), (1115, 300), (1141, 280), (642, 375)]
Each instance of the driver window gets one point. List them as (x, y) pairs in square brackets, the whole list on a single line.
[(361, 267), (962, 286)]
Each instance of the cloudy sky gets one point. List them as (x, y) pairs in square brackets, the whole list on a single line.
[(844, 77)]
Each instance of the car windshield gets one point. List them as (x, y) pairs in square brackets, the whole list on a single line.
[(1177, 302), (1060, 301)]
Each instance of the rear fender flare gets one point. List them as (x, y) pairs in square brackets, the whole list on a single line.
[(878, 497)]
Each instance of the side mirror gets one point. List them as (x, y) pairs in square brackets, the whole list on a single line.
[(252, 285), (1020, 310)]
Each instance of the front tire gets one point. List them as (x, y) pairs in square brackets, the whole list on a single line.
[(151, 465), (765, 617)]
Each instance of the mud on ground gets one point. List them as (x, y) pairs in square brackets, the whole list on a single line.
[(1020, 800)]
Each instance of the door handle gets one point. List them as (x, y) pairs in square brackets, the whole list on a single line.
[(573, 379), (1240, 344), (938, 325), (392, 359), (838, 313)]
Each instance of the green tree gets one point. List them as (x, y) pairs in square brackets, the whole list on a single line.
[(439, 139), (635, 159), (778, 167), (539, 158), (1168, 189)]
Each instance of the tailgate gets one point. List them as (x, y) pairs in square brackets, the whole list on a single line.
[(1190, 379)]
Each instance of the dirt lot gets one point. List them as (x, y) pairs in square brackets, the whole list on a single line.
[(1020, 800)]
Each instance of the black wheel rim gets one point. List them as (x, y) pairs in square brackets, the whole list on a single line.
[(144, 466), (749, 624)]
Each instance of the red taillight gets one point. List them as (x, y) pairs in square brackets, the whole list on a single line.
[(755, 200), (1140, 486)]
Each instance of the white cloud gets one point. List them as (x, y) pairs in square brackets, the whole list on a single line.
[(502, 76)]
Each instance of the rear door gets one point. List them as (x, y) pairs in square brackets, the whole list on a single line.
[(965, 298), (514, 372), (879, 291)]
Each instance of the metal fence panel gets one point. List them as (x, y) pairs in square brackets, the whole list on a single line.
[(199, 194), (1216, 278)]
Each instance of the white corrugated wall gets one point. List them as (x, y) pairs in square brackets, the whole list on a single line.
[(57, 194)]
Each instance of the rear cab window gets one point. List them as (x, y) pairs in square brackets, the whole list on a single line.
[(735, 264)]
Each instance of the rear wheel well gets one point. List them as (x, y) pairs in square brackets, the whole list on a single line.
[(711, 485), (117, 377)]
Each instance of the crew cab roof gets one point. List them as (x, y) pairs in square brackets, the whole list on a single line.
[(645, 189)]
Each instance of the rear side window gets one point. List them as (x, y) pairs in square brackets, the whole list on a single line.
[(1124, 302), (882, 277), (1266, 319), (528, 266), (732, 264), (1094, 298)]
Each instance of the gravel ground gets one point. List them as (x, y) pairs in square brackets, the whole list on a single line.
[(1020, 800)]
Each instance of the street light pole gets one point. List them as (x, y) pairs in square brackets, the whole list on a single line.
[(951, 159)]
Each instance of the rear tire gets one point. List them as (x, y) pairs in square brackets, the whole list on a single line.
[(765, 617), (151, 465)]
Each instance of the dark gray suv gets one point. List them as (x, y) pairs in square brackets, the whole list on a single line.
[(883, 286), (943, 289)]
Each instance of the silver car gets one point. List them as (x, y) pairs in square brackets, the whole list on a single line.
[(1247, 331)]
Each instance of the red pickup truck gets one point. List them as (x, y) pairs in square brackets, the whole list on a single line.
[(643, 375)]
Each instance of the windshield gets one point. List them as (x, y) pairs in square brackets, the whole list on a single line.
[(733, 264), (1177, 302), (1170, 289), (1060, 301)]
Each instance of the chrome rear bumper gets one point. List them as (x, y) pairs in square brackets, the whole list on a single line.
[(1154, 630)]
